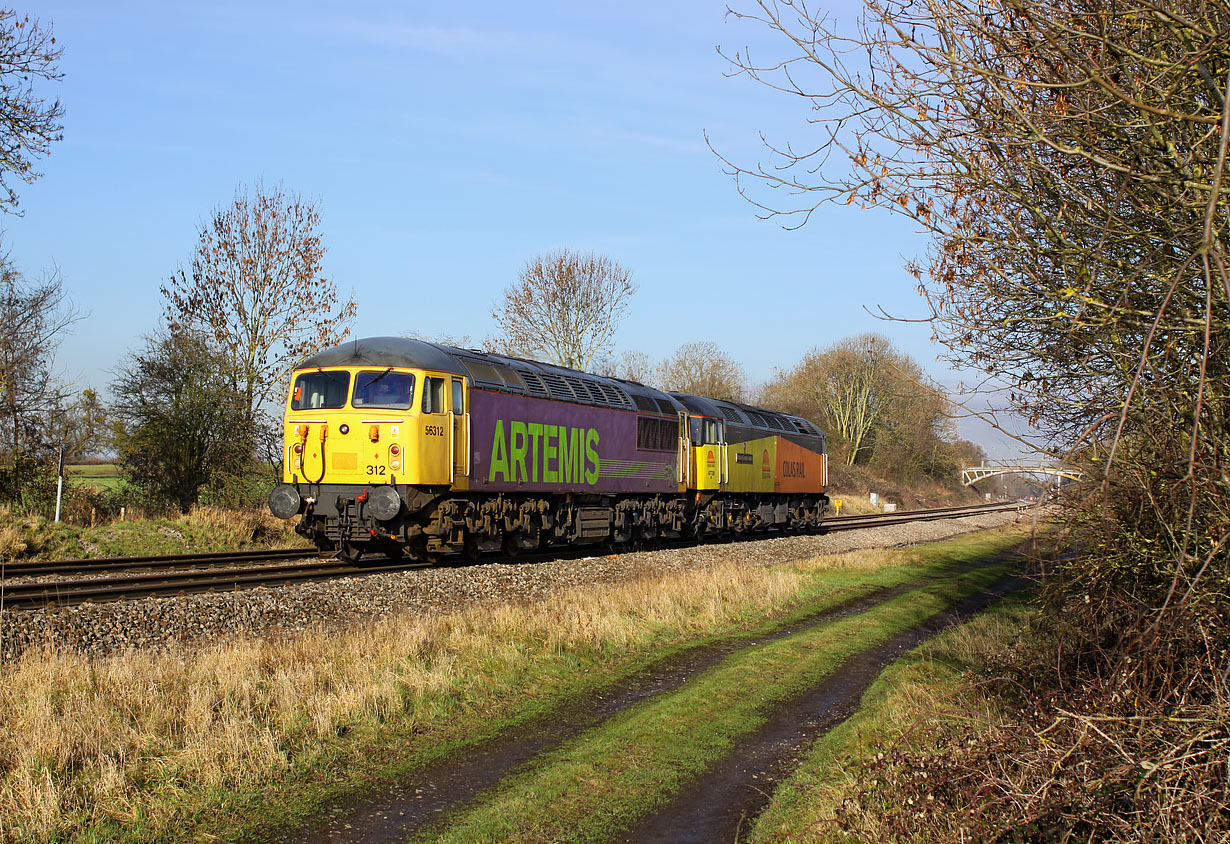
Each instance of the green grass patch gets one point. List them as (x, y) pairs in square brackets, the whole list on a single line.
[(100, 476), (920, 701), (599, 784)]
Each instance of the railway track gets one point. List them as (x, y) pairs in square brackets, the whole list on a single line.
[(225, 571)]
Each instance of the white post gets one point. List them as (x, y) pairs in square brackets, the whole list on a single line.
[(60, 484)]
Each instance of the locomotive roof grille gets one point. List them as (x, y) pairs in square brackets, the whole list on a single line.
[(578, 388), (534, 384), (595, 392), (558, 387), (616, 396)]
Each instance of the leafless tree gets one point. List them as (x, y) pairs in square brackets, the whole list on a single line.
[(33, 317), (80, 423), (874, 402), (565, 308), (1069, 160), (631, 366), (28, 123), (256, 290), (703, 369)]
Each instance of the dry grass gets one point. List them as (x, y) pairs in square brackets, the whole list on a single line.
[(205, 528), (144, 738)]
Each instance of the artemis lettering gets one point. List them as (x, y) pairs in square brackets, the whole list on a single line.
[(540, 453), (793, 469)]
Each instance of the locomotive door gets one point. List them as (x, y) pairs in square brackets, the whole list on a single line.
[(685, 450), (460, 428)]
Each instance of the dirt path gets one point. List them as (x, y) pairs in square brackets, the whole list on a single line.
[(723, 803), (423, 796), (401, 808)]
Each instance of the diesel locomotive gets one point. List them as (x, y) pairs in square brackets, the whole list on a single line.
[(400, 446)]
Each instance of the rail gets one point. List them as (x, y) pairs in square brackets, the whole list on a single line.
[(227, 571)]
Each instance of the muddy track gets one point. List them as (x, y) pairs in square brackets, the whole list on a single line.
[(722, 804), (425, 795)]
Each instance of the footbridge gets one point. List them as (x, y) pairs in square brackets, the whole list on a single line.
[(973, 474)]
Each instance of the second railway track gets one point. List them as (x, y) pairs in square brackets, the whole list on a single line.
[(225, 571)]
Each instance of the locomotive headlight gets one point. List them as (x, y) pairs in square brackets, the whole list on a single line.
[(343, 428), (384, 503)]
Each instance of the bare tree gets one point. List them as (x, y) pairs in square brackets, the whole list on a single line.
[(565, 307), (1070, 162), (255, 289), (80, 424), (631, 366), (33, 316), (28, 123), (869, 396), (703, 369)]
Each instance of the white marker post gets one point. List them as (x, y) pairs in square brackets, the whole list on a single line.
[(60, 484)]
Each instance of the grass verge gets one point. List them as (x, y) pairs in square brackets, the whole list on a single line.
[(203, 529), (921, 701), (223, 741), (598, 784)]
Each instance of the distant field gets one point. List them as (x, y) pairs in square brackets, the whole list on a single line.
[(97, 475)]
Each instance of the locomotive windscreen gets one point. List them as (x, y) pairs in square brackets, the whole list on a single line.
[(383, 388), (320, 390)]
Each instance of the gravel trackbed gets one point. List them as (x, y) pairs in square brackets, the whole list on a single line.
[(100, 629)]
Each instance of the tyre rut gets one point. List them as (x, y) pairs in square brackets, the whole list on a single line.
[(425, 794), (722, 804)]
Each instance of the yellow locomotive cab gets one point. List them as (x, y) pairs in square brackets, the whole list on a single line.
[(372, 426)]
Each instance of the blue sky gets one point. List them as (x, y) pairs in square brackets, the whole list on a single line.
[(445, 144)]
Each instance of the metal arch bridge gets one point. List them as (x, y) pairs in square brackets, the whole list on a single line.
[(974, 474)]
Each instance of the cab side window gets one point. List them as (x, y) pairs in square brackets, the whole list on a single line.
[(458, 398), (433, 395)]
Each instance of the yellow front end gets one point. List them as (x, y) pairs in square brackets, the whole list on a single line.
[(370, 426)]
